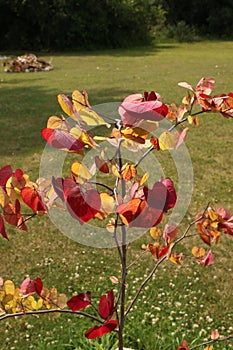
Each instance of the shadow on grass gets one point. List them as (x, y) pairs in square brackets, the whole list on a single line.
[(118, 52), (24, 112)]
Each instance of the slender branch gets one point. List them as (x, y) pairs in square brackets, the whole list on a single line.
[(170, 129), (184, 120), (212, 341), (115, 237), (103, 185), (184, 235), (136, 260), (122, 289), (144, 156), (148, 278), (178, 123), (123, 255), (38, 312), (28, 218)]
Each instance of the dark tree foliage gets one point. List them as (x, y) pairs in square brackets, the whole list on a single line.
[(64, 24), (91, 24), (210, 18)]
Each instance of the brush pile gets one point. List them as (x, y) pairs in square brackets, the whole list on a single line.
[(26, 63)]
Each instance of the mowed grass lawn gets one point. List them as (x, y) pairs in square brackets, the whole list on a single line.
[(181, 302)]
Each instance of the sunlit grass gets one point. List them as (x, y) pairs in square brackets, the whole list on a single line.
[(180, 302)]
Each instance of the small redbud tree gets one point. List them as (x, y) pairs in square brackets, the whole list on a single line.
[(116, 193)]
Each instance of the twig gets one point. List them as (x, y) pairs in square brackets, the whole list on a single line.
[(144, 156), (38, 312), (136, 260), (212, 341)]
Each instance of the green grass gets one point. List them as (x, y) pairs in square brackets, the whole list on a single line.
[(187, 301)]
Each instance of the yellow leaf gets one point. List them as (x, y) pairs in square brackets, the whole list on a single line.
[(176, 258), (9, 287), (83, 136), (55, 122), (66, 107), (12, 192), (8, 302), (2, 294), (212, 214), (198, 252), (136, 134), (143, 179), (62, 301), (76, 132), (92, 118), (167, 140), (30, 303), (4, 200), (186, 99), (40, 303), (155, 232), (107, 206), (80, 172), (111, 225), (115, 171), (81, 104), (190, 119), (80, 99)]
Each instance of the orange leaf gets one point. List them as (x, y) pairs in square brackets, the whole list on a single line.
[(204, 234), (155, 142), (199, 253), (31, 197), (128, 171), (136, 134)]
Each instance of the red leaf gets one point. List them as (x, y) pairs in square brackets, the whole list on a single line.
[(18, 174), (80, 301), (171, 193), (29, 286), (2, 228), (83, 206), (163, 251), (99, 331), (61, 139), (137, 213), (170, 232), (5, 174), (31, 197), (184, 346), (12, 215), (106, 306), (58, 185), (38, 286), (101, 165)]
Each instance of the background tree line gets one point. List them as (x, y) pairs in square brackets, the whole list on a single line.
[(87, 24)]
